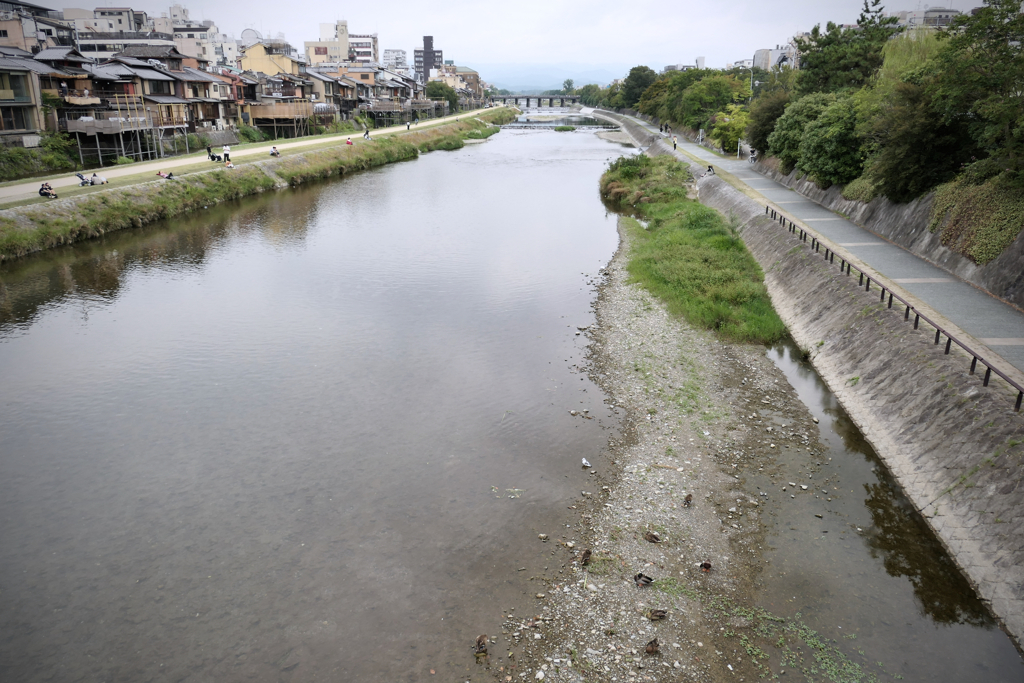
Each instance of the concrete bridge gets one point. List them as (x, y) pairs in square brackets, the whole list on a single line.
[(516, 99)]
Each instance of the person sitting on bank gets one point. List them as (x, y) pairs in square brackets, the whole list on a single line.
[(228, 164), (97, 180), (366, 134), (168, 176), (274, 152), (711, 170), (47, 191), (348, 141)]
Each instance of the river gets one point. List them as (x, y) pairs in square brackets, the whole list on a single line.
[(315, 434)]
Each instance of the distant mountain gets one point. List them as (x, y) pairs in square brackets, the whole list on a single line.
[(535, 78)]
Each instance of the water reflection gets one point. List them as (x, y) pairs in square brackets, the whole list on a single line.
[(909, 549), (94, 270), (868, 566)]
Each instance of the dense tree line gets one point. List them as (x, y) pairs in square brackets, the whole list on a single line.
[(880, 110)]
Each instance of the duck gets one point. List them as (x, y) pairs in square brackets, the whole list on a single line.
[(652, 537), (585, 557), (481, 645), (642, 580), (688, 500), (705, 566), (652, 647), (656, 614)]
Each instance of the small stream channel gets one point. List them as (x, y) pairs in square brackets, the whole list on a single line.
[(855, 560)]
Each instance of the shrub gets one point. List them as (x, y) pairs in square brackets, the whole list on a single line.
[(860, 190), (121, 161), (251, 134), (830, 151), (565, 129), (784, 142), (764, 112)]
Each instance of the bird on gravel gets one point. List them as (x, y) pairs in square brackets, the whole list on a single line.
[(652, 537), (642, 580), (652, 647), (585, 557), (656, 614), (688, 500), (705, 566), (481, 646)]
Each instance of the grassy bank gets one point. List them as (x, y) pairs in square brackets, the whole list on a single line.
[(688, 255), (978, 219), (34, 227)]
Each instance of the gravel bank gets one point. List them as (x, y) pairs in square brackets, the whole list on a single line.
[(698, 416)]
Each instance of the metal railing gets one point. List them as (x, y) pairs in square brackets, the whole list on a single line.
[(865, 281)]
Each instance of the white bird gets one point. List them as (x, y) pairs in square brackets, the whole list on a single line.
[(585, 463)]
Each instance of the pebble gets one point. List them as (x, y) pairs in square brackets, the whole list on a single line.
[(539, 676), (542, 537), (540, 596)]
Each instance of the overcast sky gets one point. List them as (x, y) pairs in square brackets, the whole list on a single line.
[(595, 33)]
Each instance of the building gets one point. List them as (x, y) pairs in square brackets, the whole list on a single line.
[(32, 28), (332, 46), (427, 58), (394, 59), (362, 48), (699, 64), (935, 17), (271, 56)]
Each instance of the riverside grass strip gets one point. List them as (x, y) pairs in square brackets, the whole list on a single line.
[(688, 255), (32, 228)]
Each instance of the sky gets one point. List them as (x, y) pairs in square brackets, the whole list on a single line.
[(559, 37)]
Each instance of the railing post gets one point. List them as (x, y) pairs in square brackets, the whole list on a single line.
[(938, 333), (974, 365), (867, 287), (949, 342), (988, 375), (917, 319)]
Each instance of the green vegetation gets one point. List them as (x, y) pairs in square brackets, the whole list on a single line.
[(499, 117), (52, 156), (43, 225), (251, 134), (877, 110), (689, 256), (48, 225), (441, 90), (565, 129)]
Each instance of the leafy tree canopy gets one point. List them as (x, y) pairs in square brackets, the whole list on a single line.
[(844, 57), (764, 112), (830, 152), (981, 71), (440, 89), (639, 79), (784, 142)]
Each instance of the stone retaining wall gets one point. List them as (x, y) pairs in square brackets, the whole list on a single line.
[(945, 438), (952, 444)]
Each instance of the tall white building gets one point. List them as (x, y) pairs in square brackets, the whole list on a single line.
[(395, 59)]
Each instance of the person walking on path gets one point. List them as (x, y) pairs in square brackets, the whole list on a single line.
[(226, 152), (673, 143), (408, 125), (209, 152)]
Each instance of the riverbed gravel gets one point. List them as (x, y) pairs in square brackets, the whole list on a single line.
[(699, 414)]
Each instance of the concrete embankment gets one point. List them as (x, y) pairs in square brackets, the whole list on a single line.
[(954, 445), (35, 227), (907, 226)]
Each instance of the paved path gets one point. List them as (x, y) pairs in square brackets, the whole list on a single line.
[(994, 323), (30, 189)]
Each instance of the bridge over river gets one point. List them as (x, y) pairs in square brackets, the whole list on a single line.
[(551, 99)]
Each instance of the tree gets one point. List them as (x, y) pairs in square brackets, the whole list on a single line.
[(728, 127), (981, 73), (764, 112), (830, 151), (567, 87), (701, 100), (441, 90), (639, 79), (844, 57), (590, 95), (784, 142), (916, 150)]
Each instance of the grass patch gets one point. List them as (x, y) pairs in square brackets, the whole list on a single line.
[(565, 129), (978, 220), (689, 256), (500, 117), (343, 159)]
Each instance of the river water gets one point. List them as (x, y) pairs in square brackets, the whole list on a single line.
[(314, 435), (262, 442)]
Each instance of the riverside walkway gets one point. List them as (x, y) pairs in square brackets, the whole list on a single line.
[(995, 324), (17, 191)]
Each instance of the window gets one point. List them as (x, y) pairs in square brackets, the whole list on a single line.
[(3, 33), (191, 35), (119, 22), (13, 118), (365, 77)]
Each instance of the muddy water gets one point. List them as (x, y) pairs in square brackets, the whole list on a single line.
[(309, 436), (858, 564)]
